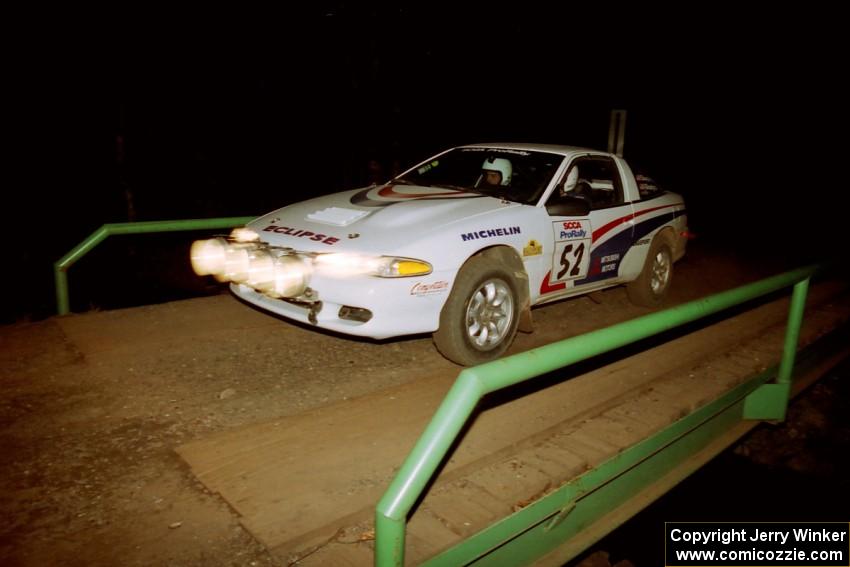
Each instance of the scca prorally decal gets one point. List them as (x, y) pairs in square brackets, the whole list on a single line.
[(299, 233), (429, 288), (569, 230), (392, 194), (490, 233)]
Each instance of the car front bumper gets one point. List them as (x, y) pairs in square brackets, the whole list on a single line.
[(398, 306)]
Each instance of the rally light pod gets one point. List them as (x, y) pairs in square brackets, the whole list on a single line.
[(209, 256), (291, 277)]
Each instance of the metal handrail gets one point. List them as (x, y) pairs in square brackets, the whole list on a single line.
[(60, 267), (472, 384)]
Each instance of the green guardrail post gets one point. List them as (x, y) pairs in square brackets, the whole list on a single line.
[(61, 266), (411, 479), (792, 334), (60, 279), (770, 401)]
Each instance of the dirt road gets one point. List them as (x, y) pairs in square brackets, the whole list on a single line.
[(93, 406)]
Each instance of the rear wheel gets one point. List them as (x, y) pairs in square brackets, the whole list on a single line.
[(651, 286), (479, 320)]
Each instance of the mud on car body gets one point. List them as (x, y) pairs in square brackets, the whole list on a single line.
[(462, 246)]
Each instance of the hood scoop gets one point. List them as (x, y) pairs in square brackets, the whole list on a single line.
[(337, 216)]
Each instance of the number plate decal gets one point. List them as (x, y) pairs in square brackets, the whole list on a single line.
[(571, 256)]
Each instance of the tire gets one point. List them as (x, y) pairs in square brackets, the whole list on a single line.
[(479, 320), (651, 286)]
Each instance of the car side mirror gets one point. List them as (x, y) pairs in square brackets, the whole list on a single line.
[(568, 207)]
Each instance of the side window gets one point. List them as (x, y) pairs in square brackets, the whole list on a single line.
[(647, 187), (604, 179), (595, 180)]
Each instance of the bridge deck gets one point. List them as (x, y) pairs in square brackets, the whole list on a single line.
[(306, 485)]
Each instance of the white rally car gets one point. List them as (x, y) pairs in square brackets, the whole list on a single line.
[(461, 246)]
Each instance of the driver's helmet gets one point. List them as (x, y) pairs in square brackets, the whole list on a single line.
[(502, 165)]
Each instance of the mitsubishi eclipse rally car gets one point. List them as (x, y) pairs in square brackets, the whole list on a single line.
[(461, 246)]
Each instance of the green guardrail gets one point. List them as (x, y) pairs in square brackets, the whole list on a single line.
[(763, 401), (60, 267)]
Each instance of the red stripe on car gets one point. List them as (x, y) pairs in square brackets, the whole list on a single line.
[(390, 193), (599, 232)]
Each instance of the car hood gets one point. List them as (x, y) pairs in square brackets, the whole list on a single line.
[(375, 219)]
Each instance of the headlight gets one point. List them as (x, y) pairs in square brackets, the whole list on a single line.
[(388, 267), (345, 265)]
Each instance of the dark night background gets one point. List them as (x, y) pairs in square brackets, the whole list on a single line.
[(741, 111)]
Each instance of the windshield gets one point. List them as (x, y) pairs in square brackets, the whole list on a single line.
[(515, 175)]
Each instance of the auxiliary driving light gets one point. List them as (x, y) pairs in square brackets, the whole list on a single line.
[(261, 266), (236, 264), (209, 256), (243, 234), (250, 263), (291, 277)]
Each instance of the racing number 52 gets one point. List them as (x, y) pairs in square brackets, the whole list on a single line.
[(565, 260)]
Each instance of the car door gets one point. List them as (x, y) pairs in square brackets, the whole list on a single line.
[(589, 241)]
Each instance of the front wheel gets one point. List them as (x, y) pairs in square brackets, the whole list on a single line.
[(651, 286), (479, 320)]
